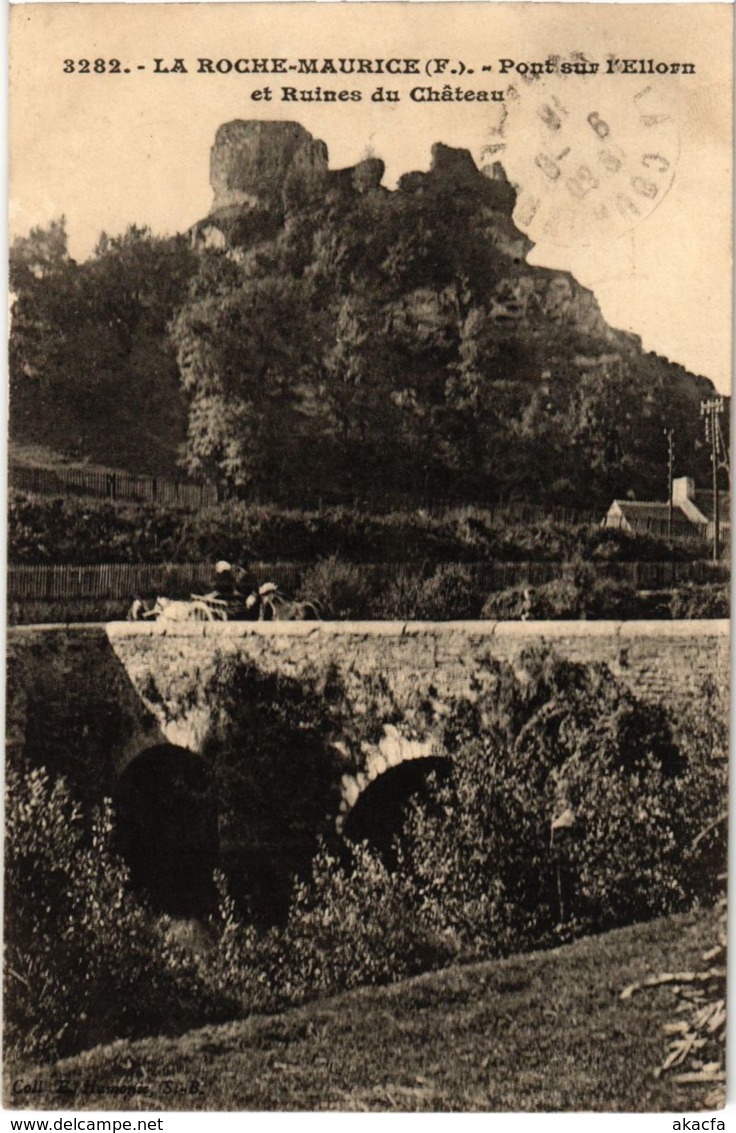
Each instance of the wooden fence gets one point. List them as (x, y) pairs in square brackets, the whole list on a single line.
[(121, 581), (111, 486)]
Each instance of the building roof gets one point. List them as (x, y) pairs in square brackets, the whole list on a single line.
[(652, 516), (644, 509)]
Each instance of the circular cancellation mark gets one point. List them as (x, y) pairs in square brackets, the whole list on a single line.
[(591, 156)]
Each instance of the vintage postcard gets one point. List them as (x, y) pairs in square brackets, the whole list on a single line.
[(369, 557)]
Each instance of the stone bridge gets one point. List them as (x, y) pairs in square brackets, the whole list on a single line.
[(122, 709)]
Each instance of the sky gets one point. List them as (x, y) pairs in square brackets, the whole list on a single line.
[(107, 150)]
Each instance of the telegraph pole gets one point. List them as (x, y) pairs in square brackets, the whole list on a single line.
[(710, 411), (724, 461), (670, 435)]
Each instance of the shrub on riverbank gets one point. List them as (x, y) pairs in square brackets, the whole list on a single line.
[(84, 962)]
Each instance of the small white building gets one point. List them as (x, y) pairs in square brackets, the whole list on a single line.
[(692, 512)]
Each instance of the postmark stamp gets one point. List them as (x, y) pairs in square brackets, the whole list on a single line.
[(590, 161)]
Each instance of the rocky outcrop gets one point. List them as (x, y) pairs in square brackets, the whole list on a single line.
[(260, 171), (268, 167), (267, 177), (250, 162)]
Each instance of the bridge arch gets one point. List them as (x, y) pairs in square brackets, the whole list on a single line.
[(375, 801), (378, 811), (166, 828)]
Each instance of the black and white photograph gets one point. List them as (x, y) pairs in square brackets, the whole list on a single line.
[(368, 538)]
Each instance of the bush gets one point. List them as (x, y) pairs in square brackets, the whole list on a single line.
[(570, 809), (608, 598), (47, 530), (399, 599), (551, 600), (615, 544), (342, 589), (351, 922), (274, 804), (709, 601), (703, 735), (245, 964), (582, 594), (84, 962), (451, 593)]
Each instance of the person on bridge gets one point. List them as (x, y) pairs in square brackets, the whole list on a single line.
[(225, 586), (230, 590), (528, 605)]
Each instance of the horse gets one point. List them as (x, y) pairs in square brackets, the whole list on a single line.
[(139, 611), (273, 606), (266, 604)]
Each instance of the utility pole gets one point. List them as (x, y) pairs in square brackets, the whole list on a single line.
[(710, 411), (724, 461), (670, 435)]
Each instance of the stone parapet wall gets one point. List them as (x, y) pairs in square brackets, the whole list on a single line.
[(667, 660), (87, 699)]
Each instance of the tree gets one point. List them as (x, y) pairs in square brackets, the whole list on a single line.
[(242, 355), (43, 282), (91, 364), (138, 281), (346, 337)]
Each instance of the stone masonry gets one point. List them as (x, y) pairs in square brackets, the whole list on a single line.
[(96, 696)]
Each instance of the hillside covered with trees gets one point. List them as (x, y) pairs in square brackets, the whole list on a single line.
[(318, 331)]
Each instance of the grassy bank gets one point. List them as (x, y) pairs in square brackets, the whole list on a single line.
[(539, 1032)]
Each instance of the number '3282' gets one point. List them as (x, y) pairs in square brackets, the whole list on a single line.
[(93, 66)]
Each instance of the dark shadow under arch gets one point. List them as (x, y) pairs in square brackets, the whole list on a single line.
[(380, 810), (166, 829)]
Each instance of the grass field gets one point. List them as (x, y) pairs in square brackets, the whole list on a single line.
[(546, 1032), (28, 455)]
